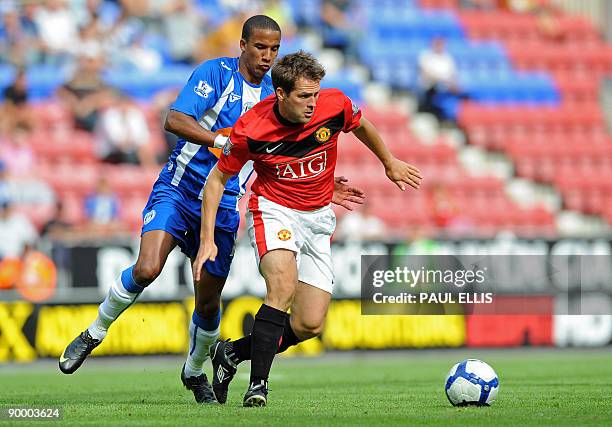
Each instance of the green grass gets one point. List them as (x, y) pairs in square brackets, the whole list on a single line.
[(398, 388)]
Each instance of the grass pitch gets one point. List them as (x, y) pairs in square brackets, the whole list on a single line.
[(537, 387)]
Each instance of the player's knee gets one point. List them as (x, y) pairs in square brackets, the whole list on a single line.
[(307, 328), (145, 272)]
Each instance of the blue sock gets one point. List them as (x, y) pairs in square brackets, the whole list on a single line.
[(207, 323), (203, 332), (128, 282), (121, 295)]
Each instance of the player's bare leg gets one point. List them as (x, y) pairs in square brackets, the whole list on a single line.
[(203, 332), (154, 249), (308, 313), (279, 269)]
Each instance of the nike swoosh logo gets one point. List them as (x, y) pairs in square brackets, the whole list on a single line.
[(269, 150), (62, 358)]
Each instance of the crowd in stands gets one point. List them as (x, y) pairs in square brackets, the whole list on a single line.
[(106, 127)]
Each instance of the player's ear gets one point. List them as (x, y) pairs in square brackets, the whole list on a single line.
[(243, 44), (280, 94)]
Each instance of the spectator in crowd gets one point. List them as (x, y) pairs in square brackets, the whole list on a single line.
[(183, 27), (15, 111), (340, 30), (161, 105), (16, 153), (549, 25), (446, 213), (90, 41), (58, 31), (17, 234), (139, 56), (102, 211), (18, 38), (58, 227), (122, 134), (85, 93), (281, 13), (6, 192), (139, 8), (361, 225), (519, 6), (103, 12), (125, 29), (24, 190), (437, 80), (221, 41), (17, 92)]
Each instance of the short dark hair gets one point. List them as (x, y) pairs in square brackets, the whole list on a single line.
[(258, 22), (293, 66)]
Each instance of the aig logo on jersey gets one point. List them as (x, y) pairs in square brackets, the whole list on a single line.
[(306, 167), (322, 134), (203, 89)]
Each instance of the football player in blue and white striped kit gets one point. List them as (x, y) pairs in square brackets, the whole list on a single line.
[(218, 92)]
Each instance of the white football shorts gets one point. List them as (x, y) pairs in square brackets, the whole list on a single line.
[(307, 233)]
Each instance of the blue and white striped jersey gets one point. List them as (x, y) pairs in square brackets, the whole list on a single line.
[(216, 95)]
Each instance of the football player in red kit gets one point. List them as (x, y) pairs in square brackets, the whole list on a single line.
[(292, 140)]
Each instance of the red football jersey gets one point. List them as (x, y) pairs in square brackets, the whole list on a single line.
[(295, 163)]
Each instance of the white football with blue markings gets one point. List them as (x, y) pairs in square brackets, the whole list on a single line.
[(471, 382)]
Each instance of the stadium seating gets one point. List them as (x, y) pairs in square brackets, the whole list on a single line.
[(567, 146), (531, 98)]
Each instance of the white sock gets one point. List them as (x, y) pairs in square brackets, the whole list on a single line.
[(117, 300), (199, 342)]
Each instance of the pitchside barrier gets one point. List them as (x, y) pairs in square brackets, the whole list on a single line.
[(158, 323)]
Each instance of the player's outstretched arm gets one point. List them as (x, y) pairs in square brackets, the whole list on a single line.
[(345, 195), (399, 172), (213, 191), (186, 127)]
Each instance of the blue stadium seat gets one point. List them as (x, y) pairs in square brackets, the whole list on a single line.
[(306, 12), (409, 24), (343, 81), (7, 75), (44, 80), (144, 86)]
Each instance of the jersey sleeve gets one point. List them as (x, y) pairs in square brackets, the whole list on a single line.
[(202, 91), (352, 115), (235, 153)]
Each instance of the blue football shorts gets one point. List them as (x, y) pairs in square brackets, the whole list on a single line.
[(171, 211)]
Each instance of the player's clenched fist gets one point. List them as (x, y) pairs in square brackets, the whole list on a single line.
[(207, 251), (402, 173)]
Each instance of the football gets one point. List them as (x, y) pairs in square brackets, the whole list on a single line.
[(471, 382)]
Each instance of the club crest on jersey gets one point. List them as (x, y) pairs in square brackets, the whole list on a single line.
[(246, 107), (284, 235), (323, 134), (227, 148), (203, 89), (304, 168), (149, 217)]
